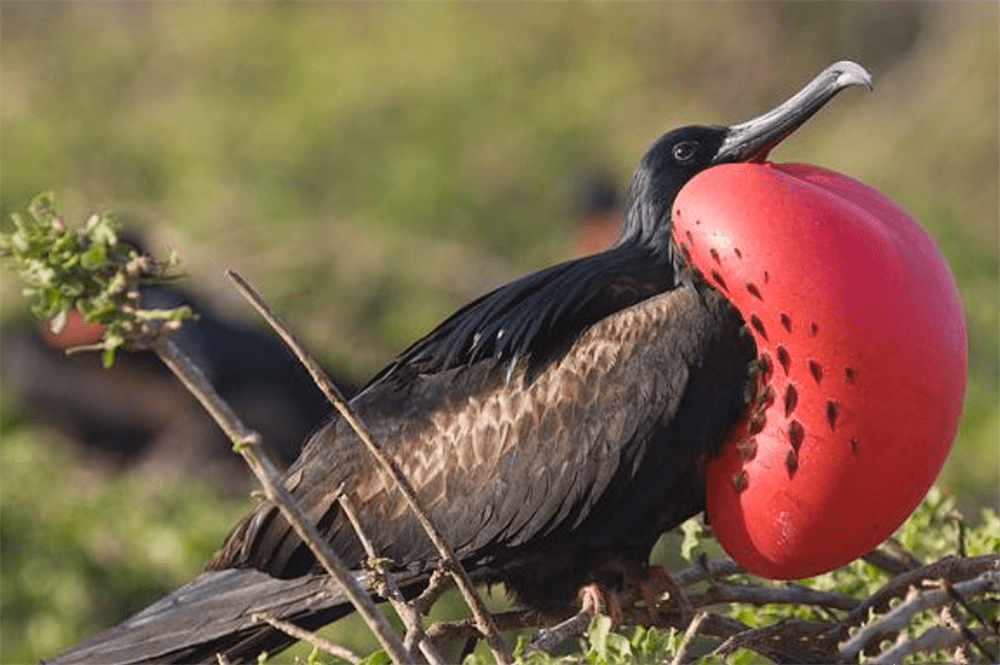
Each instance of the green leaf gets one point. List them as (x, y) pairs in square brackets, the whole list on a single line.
[(744, 657), (95, 257), (618, 648), (692, 537), (597, 635), (108, 358), (58, 321), (379, 657)]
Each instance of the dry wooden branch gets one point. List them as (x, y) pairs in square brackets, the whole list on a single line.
[(677, 595), (993, 626), (933, 639), (688, 638), (415, 634), (757, 595), (547, 639), (247, 443), (436, 586), (790, 640), (462, 629), (949, 568), (448, 559), (317, 641), (899, 617), (705, 569), (891, 564)]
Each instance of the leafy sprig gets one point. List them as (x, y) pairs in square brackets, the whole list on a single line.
[(89, 269)]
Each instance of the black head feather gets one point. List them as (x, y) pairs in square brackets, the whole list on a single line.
[(670, 162)]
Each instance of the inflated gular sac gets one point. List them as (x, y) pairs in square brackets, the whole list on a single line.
[(862, 358)]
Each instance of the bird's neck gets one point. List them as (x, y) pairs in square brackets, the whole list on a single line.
[(646, 228)]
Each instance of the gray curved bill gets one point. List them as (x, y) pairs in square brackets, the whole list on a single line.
[(751, 141)]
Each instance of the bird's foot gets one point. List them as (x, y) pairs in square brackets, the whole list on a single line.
[(594, 599)]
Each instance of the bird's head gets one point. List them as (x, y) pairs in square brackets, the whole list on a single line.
[(680, 154)]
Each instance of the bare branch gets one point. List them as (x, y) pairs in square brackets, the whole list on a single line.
[(933, 639), (547, 639), (483, 618), (961, 600), (795, 594), (312, 638), (439, 583), (788, 640), (415, 634), (705, 569), (899, 617), (890, 563), (688, 638), (465, 629), (247, 443), (677, 593), (949, 568)]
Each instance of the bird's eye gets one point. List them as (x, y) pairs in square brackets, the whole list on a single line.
[(685, 151)]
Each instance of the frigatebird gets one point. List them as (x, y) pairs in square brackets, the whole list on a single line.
[(554, 428)]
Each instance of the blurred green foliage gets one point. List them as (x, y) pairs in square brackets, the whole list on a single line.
[(373, 166), (87, 269)]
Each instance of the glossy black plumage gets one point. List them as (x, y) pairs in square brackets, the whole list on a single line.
[(554, 429)]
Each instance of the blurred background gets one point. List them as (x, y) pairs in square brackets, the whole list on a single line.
[(371, 167)]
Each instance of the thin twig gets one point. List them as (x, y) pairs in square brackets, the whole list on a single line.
[(899, 617), (547, 639), (312, 638), (789, 640), (756, 595), (483, 618), (950, 568), (894, 565), (707, 569), (439, 583), (896, 548), (248, 444), (446, 631), (992, 625), (688, 638), (957, 597), (415, 634), (934, 638)]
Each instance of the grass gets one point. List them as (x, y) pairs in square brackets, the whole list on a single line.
[(372, 167)]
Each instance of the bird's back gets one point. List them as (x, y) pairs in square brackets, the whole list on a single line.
[(534, 482)]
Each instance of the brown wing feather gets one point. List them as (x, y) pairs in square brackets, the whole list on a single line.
[(501, 464)]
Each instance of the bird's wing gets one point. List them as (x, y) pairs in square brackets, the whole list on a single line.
[(501, 461), (215, 612), (537, 317)]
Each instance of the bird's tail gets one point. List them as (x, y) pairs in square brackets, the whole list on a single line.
[(214, 613)]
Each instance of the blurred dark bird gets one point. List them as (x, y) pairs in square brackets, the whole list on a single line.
[(138, 414), (554, 429), (599, 209)]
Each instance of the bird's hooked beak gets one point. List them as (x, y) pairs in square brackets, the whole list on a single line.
[(751, 141)]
